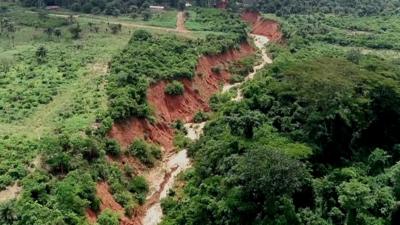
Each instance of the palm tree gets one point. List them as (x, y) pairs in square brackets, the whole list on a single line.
[(7, 213)]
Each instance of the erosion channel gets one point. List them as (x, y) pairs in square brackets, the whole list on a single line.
[(161, 179)]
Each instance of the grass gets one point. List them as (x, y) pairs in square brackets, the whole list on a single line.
[(71, 80), (165, 19), (81, 60)]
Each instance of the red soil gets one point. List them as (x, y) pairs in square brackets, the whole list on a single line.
[(106, 198), (171, 108), (127, 160), (261, 26), (91, 216), (108, 202), (167, 110), (158, 133)]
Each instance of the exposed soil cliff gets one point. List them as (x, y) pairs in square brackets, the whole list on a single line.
[(171, 108), (261, 26), (168, 109)]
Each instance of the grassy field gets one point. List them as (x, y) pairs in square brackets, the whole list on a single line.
[(165, 19), (63, 91)]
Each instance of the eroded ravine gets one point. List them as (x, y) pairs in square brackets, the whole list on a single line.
[(178, 162), (169, 109), (260, 42)]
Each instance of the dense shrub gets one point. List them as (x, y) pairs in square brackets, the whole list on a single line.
[(200, 117), (174, 88), (108, 217), (145, 152), (112, 148), (217, 69), (138, 185), (140, 62)]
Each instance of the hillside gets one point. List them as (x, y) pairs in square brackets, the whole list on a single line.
[(145, 113)]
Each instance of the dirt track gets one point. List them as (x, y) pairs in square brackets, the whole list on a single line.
[(180, 22), (179, 29)]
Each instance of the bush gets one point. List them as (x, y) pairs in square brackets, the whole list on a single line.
[(141, 35), (174, 88), (180, 140), (129, 209), (146, 153), (216, 69), (138, 185), (108, 217), (200, 117), (112, 148)]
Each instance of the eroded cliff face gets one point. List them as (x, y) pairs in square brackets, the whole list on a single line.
[(169, 108), (264, 27)]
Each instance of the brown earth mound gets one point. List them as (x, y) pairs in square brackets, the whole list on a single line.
[(261, 26), (171, 108)]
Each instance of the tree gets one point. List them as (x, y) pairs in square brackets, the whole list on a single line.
[(244, 122), (181, 5), (57, 32), (115, 28), (377, 161), (41, 54), (267, 174), (4, 24), (354, 56), (146, 15), (355, 197), (141, 35), (49, 31), (11, 29), (75, 31)]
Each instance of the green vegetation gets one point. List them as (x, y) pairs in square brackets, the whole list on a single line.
[(314, 141), (145, 152), (200, 117), (149, 58), (356, 7), (174, 88), (52, 127), (363, 32), (159, 19), (145, 59), (107, 7), (108, 217), (241, 68)]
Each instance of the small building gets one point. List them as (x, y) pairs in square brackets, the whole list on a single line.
[(156, 8), (53, 7)]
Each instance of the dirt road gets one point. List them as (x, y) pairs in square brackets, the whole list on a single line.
[(179, 29), (180, 22)]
